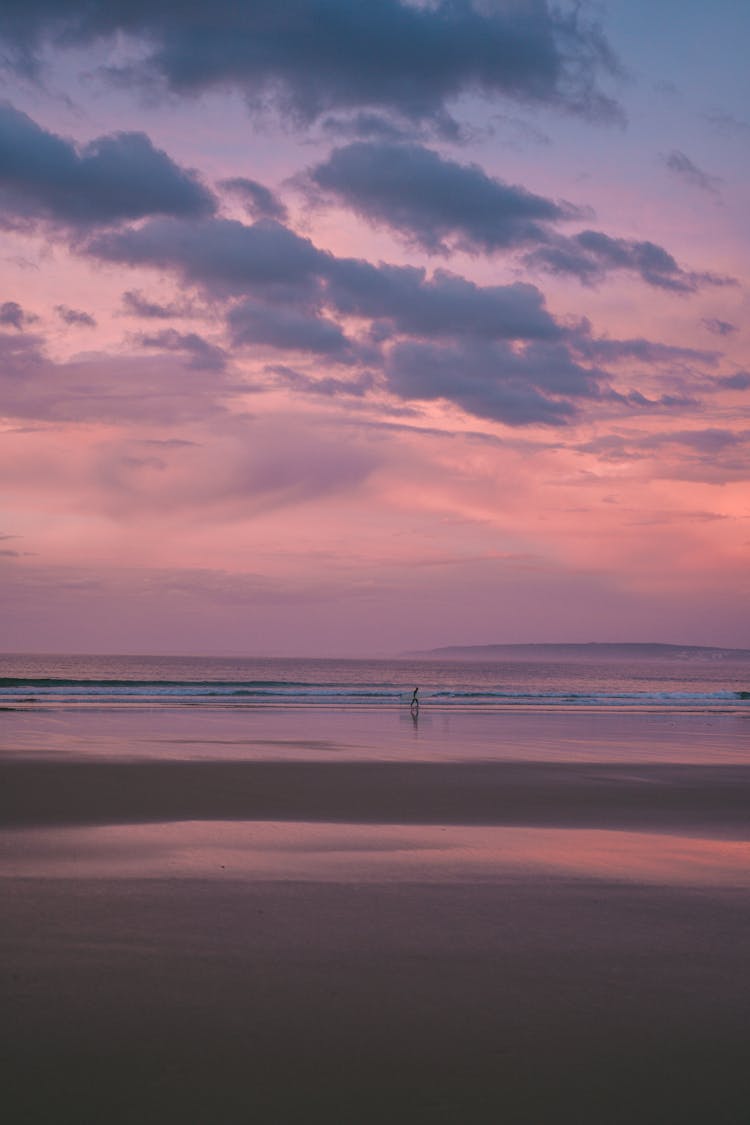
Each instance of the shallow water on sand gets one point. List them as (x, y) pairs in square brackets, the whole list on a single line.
[(352, 794), (377, 734)]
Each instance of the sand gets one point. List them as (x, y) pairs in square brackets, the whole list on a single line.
[(187, 1000), (715, 799), (374, 941)]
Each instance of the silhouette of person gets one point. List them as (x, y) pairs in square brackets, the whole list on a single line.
[(414, 706)]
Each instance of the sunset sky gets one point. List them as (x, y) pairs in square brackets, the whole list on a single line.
[(356, 326)]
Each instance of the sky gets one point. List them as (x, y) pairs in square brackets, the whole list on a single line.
[(331, 327)]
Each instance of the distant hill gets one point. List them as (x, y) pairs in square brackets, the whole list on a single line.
[(593, 650)]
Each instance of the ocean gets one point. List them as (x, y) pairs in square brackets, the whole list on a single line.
[(693, 682)]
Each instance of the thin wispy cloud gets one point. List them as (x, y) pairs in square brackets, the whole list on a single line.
[(684, 168)]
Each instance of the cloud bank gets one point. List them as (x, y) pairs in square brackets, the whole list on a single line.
[(440, 204), (115, 177), (310, 57)]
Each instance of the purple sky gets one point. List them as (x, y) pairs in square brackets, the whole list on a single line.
[(333, 327)]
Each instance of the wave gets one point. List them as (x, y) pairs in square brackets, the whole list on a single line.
[(18, 690)]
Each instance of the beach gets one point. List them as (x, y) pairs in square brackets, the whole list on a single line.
[(330, 914), (192, 1000)]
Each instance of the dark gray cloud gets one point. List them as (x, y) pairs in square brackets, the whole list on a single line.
[(708, 441), (437, 203), (684, 167), (591, 255), (20, 354), (316, 56), (255, 322), (711, 455), (718, 327), (603, 350), (260, 202), (490, 380), (167, 443), (740, 381), (12, 314), (494, 351), (442, 206), (115, 177), (268, 262), (716, 448), (404, 299), (326, 387), (202, 355), (136, 304), (225, 256), (75, 317), (668, 401), (373, 126)]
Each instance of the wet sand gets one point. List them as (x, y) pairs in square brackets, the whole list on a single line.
[(368, 941), (713, 799), (188, 1000)]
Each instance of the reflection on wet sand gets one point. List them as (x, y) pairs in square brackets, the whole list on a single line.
[(262, 850)]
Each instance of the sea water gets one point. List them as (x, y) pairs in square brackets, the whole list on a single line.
[(693, 682)]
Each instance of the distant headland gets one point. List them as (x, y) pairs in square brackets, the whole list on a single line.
[(592, 650)]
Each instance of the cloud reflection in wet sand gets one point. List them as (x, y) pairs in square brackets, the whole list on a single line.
[(268, 850)]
